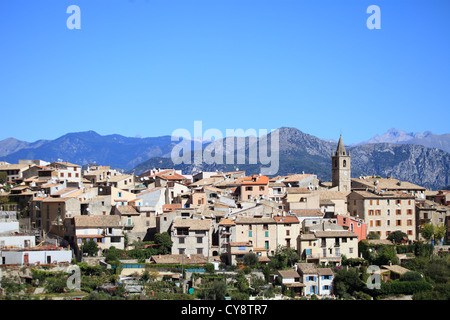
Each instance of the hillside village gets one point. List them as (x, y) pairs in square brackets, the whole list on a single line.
[(168, 235)]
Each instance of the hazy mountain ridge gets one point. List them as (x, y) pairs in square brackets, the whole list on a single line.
[(298, 151), (427, 139)]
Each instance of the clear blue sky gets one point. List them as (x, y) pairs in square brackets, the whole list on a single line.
[(148, 67)]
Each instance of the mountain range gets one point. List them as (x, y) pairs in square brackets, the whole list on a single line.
[(427, 139), (396, 153)]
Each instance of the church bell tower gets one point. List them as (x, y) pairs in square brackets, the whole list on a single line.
[(340, 168)]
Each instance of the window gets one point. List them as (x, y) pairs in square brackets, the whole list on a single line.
[(182, 231), (199, 240), (409, 222), (371, 223), (69, 174), (267, 234), (378, 202), (398, 222), (288, 232), (261, 188), (398, 201), (248, 188), (378, 223), (398, 211), (199, 250), (181, 240), (371, 202), (61, 174), (409, 211), (266, 245), (344, 163), (409, 232), (250, 233), (265, 226), (370, 212), (115, 239), (388, 222), (378, 212), (350, 250)]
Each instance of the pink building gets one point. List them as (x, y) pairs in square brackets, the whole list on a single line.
[(357, 226)]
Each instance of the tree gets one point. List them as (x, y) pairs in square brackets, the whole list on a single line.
[(241, 282), (250, 259), (3, 177), (164, 242), (397, 236), (284, 257), (385, 255), (209, 267), (427, 231), (90, 247), (431, 232), (346, 282), (373, 236), (439, 233), (218, 290)]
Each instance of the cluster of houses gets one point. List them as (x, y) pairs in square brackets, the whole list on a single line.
[(220, 216)]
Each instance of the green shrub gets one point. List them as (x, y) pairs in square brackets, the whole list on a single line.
[(411, 276), (404, 287)]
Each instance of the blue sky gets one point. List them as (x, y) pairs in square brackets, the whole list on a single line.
[(146, 67)]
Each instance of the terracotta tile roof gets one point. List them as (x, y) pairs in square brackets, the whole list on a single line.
[(307, 212), (388, 184), (97, 221), (127, 210), (252, 180), (309, 268), (286, 219), (226, 222), (192, 224), (334, 233), (324, 272), (251, 220), (296, 177), (288, 274), (171, 207), (66, 164)]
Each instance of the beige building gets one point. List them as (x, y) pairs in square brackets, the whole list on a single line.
[(106, 231), (427, 211), (327, 246), (67, 171), (287, 231), (15, 171), (301, 199), (255, 186), (378, 184), (191, 236), (260, 233), (384, 212)]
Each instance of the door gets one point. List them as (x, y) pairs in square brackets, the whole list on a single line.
[(49, 259), (26, 259)]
